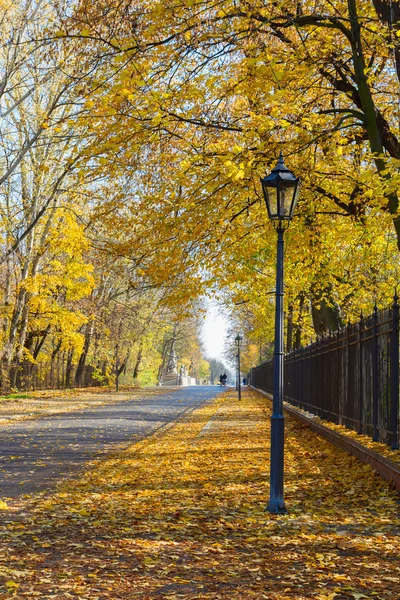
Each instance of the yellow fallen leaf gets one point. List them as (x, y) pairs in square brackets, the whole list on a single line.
[(3, 505), (11, 584)]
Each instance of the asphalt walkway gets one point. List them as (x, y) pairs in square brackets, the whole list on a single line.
[(35, 455)]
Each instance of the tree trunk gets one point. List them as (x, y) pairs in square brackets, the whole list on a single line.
[(370, 113), (22, 329), (68, 370), (82, 359), (388, 12), (138, 361), (289, 338), (9, 347), (39, 343), (325, 317)]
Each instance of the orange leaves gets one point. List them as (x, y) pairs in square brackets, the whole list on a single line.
[(182, 514)]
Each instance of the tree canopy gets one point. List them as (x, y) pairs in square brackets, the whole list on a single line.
[(134, 135)]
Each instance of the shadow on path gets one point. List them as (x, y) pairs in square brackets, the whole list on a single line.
[(35, 455)]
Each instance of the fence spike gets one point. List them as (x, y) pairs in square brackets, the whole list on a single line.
[(395, 373), (375, 377)]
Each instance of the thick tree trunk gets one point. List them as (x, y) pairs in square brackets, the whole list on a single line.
[(138, 361), (7, 296), (370, 112), (122, 367), (68, 369), (388, 12), (325, 317), (82, 359), (10, 345), (22, 329), (289, 331)]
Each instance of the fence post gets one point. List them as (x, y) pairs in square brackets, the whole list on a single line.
[(329, 378), (347, 363), (375, 375), (395, 372), (320, 398), (338, 374), (360, 377)]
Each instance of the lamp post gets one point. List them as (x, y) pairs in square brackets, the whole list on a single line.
[(238, 341), (281, 190), (237, 378)]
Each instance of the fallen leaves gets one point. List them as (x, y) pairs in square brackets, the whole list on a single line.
[(363, 439), (182, 514)]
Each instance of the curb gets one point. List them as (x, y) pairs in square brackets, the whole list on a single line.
[(385, 467)]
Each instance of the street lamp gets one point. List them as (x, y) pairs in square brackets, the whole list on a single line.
[(237, 376), (281, 190), (238, 341)]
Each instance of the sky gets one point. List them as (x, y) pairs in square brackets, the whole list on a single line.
[(214, 331)]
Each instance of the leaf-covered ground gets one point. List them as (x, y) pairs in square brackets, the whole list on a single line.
[(31, 405), (182, 515), (363, 439)]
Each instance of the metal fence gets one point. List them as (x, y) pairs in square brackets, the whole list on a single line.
[(350, 377), (46, 376)]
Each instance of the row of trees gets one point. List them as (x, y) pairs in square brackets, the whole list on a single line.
[(216, 89), (73, 284), (133, 138)]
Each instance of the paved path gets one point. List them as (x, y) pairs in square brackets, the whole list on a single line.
[(34, 455)]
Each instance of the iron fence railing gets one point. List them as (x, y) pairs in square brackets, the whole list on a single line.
[(350, 377), (43, 376)]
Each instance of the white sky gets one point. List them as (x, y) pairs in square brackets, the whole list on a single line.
[(214, 332)]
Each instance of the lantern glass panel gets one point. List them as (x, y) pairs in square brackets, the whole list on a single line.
[(295, 197), (272, 204), (285, 197)]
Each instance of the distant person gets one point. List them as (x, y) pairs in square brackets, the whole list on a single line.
[(220, 379), (244, 381), (224, 378)]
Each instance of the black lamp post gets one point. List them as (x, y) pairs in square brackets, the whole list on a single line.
[(238, 341), (281, 190), (237, 378)]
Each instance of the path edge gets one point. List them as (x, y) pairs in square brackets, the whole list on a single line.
[(385, 467)]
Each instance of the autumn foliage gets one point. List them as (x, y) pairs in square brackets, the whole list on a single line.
[(133, 138), (182, 515)]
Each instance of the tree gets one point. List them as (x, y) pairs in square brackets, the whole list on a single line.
[(213, 89)]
